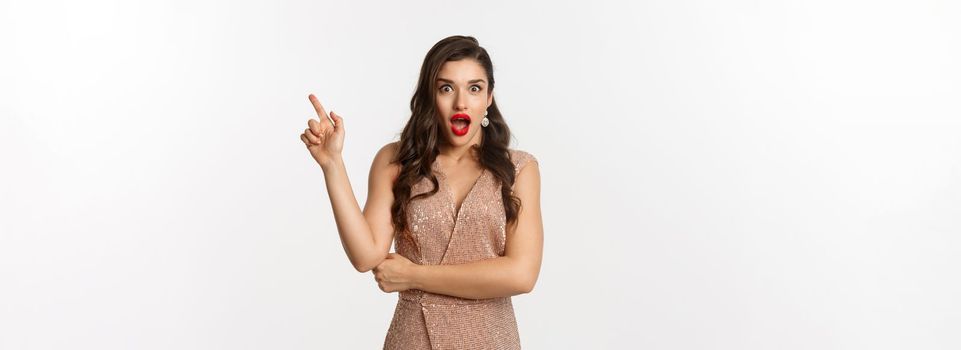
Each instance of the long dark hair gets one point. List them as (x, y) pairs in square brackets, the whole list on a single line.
[(421, 136)]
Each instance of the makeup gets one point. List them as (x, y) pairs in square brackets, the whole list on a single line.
[(460, 124)]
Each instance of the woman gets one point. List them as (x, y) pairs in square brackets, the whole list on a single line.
[(465, 208)]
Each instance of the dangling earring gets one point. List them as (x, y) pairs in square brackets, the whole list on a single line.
[(485, 122)]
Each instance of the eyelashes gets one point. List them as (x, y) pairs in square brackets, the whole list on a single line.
[(479, 88)]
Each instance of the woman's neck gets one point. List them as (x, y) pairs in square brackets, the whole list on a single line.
[(458, 154)]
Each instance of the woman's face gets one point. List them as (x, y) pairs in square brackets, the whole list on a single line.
[(462, 97)]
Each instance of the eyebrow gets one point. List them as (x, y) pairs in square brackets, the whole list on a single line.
[(469, 82)]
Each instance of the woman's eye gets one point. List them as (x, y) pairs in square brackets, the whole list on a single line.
[(447, 88)]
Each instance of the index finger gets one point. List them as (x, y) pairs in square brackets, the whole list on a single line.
[(319, 108)]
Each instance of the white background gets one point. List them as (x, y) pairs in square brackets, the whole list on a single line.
[(715, 175)]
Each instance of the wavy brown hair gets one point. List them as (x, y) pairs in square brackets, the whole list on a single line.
[(423, 133)]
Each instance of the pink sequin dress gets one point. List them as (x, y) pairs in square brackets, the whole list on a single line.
[(424, 320)]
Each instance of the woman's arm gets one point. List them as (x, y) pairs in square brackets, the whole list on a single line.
[(514, 273), (365, 236)]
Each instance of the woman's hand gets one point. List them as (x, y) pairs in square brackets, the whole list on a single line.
[(324, 139), (395, 274)]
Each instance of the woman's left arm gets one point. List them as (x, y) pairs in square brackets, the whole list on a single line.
[(514, 273)]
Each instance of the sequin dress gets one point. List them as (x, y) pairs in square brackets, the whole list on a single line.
[(424, 320)]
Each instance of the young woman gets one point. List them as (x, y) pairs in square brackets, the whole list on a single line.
[(462, 209)]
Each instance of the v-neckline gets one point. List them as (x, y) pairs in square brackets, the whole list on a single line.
[(450, 191)]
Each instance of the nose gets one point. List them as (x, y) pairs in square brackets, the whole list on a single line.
[(460, 102)]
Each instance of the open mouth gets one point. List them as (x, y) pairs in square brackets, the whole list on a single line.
[(460, 124)]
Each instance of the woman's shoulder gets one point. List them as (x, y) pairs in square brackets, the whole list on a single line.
[(385, 157), (389, 151), (520, 158), (392, 146)]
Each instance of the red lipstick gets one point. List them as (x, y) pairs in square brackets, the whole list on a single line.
[(459, 124)]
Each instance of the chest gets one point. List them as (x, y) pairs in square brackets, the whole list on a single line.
[(459, 183), (446, 231)]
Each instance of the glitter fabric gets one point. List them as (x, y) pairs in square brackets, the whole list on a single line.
[(446, 236)]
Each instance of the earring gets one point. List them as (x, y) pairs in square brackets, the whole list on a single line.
[(485, 122)]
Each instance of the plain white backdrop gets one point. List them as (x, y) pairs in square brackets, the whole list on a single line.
[(715, 175)]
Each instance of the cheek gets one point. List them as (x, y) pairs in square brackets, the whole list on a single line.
[(480, 100)]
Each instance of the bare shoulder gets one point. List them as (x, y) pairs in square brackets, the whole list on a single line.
[(389, 150), (384, 157)]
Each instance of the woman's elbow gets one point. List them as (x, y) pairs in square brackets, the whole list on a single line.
[(525, 284), (522, 290), (363, 266)]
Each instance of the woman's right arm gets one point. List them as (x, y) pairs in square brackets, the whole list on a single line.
[(366, 236)]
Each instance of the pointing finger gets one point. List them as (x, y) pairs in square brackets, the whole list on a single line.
[(320, 109)]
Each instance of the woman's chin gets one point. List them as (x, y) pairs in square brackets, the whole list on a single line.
[(456, 140)]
